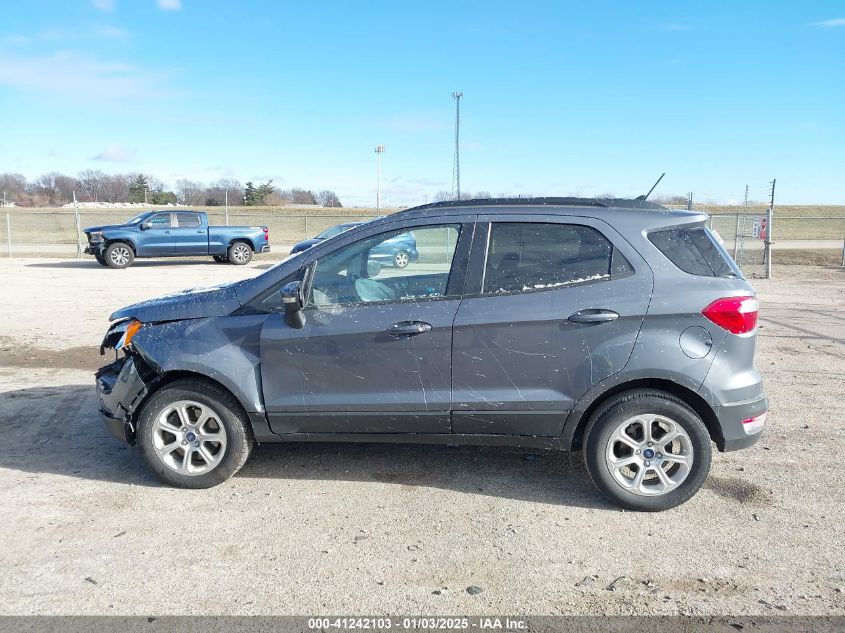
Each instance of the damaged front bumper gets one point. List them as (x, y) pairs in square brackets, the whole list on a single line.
[(120, 390)]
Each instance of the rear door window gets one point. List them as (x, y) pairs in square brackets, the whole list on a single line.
[(695, 251), (188, 220), (527, 256)]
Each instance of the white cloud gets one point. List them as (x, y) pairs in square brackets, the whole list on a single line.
[(74, 76), (169, 5), (830, 24), (103, 5), (115, 154)]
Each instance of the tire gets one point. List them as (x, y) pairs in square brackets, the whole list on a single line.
[(119, 255), (227, 422), (401, 259), (220, 259), (629, 414), (239, 253), (100, 260)]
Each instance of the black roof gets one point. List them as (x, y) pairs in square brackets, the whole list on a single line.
[(617, 203)]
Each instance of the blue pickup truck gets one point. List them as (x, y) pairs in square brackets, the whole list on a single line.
[(174, 234)]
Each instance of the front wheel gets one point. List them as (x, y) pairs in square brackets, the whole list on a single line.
[(646, 450), (240, 253), (194, 434), (119, 255), (100, 260)]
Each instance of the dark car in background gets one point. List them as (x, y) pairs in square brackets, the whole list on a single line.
[(174, 234), (614, 327), (398, 251)]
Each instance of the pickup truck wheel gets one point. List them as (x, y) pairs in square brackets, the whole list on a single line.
[(220, 259), (119, 255), (240, 253), (194, 434), (646, 450)]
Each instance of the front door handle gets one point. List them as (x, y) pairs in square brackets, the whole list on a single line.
[(594, 316), (200, 231), (408, 328)]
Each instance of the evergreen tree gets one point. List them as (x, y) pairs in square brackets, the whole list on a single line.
[(138, 189)]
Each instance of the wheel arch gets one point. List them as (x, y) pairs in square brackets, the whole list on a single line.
[(573, 432), (126, 240), (245, 240)]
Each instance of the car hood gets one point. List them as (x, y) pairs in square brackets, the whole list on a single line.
[(305, 244), (105, 227), (193, 303)]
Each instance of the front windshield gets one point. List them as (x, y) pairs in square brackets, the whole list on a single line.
[(138, 218)]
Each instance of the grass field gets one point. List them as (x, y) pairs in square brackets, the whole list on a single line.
[(289, 225)]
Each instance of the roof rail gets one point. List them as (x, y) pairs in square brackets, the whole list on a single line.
[(542, 201)]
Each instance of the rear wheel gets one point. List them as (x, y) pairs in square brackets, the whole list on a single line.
[(194, 434), (401, 259), (119, 255), (240, 253), (647, 450)]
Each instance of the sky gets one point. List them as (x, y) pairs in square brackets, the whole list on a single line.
[(560, 98)]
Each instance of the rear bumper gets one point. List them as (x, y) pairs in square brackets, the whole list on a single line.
[(265, 248), (731, 416), (120, 390)]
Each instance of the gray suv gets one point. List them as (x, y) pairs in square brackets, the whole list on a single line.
[(615, 327)]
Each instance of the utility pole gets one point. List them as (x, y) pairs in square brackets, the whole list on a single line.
[(456, 169), (379, 151)]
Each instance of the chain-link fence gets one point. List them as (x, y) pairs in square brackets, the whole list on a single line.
[(746, 236)]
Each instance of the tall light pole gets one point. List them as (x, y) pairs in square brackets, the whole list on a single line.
[(379, 152), (456, 175)]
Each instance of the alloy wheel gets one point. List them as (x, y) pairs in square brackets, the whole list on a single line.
[(649, 454), (240, 253), (189, 437), (120, 255)]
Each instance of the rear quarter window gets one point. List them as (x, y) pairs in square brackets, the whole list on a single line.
[(695, 251)]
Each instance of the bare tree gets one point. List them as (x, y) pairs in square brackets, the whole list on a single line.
[(328, 198), (115, 188), (189, 192), (90, 184)]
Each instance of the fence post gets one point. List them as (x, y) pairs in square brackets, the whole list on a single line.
[(843, 251), (78, 228), (768, 243), (736, 238), (306, 228), (9, 233)]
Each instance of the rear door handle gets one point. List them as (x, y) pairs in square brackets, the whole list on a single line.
[(408, 328), (594, 316)]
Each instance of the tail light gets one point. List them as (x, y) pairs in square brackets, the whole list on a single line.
[(738, 315), (266, 233)]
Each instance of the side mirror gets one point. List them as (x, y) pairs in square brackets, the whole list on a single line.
[(293, 301), (145, 226)]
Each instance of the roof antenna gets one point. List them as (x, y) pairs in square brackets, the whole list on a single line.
[(645, 197)]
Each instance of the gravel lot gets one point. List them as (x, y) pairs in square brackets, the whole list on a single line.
[(375, 529)]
